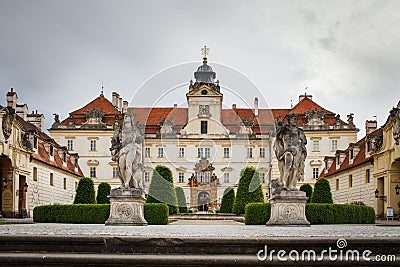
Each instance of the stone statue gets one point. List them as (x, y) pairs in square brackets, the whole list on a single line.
[(290, 150), (395, 119), (126, 149)]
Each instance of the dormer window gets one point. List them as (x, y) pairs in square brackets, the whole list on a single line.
[(51, 151), (338, 160), (35, 142), (351, 153)]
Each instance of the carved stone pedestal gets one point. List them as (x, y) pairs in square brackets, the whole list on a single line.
[(126, 207), (288, 208)]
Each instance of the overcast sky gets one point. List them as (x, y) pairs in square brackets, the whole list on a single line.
[(55, 54)]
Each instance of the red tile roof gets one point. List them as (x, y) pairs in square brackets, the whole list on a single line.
[(306, 104)]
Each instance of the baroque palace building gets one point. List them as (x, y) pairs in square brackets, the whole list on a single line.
[(204, 145), (368, 171), (34, 169)]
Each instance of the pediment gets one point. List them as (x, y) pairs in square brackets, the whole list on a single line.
[(204, 91)]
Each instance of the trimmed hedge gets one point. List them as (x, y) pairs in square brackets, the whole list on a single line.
[(180, 195), (227, 200), (308, 189), (156, 213), (93, 213), (85, 192), (322, 192), (249, 190), (103, 190), (259, 213)]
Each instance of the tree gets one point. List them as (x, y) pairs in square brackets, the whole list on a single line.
[(227, 200), (308, 189), (249, 190), (103, 190), (180, 195), (85, 192), (161, 189), (322, 192)]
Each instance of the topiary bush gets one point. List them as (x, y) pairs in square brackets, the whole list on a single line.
[(249, 190), (180, 195), (161, 189), (257, 213), (93, 213), (103, 190), (156, 213), (322, 192), (227, 200), (308, 189), (85, 192)]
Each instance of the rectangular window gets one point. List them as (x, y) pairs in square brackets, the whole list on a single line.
[(35, 174), (51, 179), (351, 153), (249, 152), (350, 180), (92, 145), (199, 152), (204, 127), (315, 173), (51, 150), (92, 172), (147, 177), (200, 177), (147, 152), (315, 145), (65, 183), (337, 184), (70, 145), (334, 145), (115, 172), (262, 152), (262, 177), (76, 185), (181, 152), (226, 177), (181, 177), (207, 152), (226, 152), (206, 177), (160, 152), (367, 176)]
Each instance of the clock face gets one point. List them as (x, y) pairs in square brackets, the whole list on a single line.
[(204, 92)]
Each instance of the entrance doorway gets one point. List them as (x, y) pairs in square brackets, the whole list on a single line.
[(380, 211), (22, 197), (204, 201), (6, 187)]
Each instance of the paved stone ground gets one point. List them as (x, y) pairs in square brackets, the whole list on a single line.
[(206, 229)]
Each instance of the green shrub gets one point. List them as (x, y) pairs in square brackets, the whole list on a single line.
[(322, 192), (103, 191), (161, 189), (308, 189), (156, 213), (227, 200), (93, 213), (257, 213), (249, 190), (85, 192), (180, 195)]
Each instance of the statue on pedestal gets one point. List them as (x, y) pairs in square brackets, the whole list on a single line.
[(126, 149), (290, 150), (127, 201)]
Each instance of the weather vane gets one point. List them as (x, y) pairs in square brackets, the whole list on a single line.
[(205, 51)]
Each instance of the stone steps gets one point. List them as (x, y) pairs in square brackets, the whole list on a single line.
[(177, 251)]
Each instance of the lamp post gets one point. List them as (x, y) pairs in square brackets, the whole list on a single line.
[(377, 193), (26, 187), (397, 187)]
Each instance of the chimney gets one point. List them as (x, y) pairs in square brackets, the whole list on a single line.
[(301, 97), (115, 97), (370, 126), (22, 111), (256, 106), (234, 107), (12, 99), (124, 106), (175, 105), (120, 104)]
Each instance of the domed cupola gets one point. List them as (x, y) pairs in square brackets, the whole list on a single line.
[(205, 74)]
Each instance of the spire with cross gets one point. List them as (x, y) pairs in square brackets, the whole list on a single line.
[(205, 50)]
